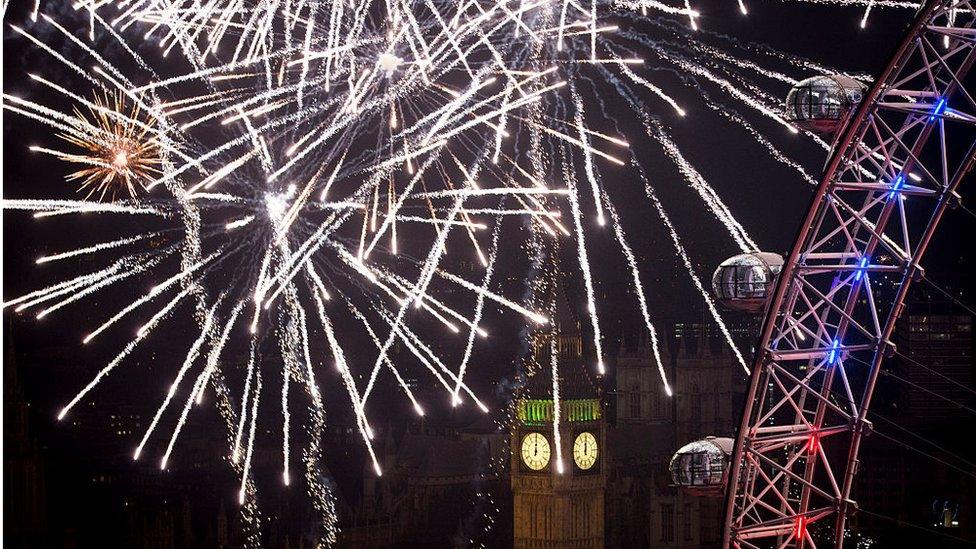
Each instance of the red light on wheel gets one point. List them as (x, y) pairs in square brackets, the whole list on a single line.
[(801, 527)]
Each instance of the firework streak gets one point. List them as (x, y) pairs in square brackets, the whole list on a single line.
[(296, 171)]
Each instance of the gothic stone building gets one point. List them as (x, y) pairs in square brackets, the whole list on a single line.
[(644, 508)]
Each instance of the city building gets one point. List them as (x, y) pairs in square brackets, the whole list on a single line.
[(559, 452), (708, 386), (438, 476), (923, 402)]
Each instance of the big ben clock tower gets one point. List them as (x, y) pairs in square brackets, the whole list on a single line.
[(559, 459)]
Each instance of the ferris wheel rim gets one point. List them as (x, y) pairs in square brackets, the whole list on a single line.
[(849, 137)]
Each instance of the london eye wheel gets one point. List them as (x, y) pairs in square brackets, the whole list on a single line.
[(894, 169)]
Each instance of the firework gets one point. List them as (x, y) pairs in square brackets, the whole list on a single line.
[(310, 164), (295, 173), (118, 155)]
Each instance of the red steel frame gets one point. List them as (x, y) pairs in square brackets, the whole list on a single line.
[(893, 171)]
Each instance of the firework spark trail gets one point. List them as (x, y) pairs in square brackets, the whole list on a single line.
[(506, 191), (676, 240), (695, 69), (96, 248), (867, 12), (47, 208), (293, 328), (188, 361), (294, 261), (407, 289), (110, 29), (132, 270), (659, 6), (396, 373), (70, 287), (311, 385), (430, 359), (404, 196), (707, 193), (553, 214), (718, 54), (287, 354), (166, 309), (84, 47), (200, 384), (732, 115), (656, 90), (534, 97), (588, 168), (435, 255), (556, 405), (142, 334), (362, 424), (71, 126), (429, 267), (55, 290), (479, 305), (584, 264), (250, 436), (212, 365), (773, 151), (84, 74), (691, 18), (421, 353), (153, 293), (639, 289), (583, 146), (501, 300), (397, 329), (245, 396), (323, 498)]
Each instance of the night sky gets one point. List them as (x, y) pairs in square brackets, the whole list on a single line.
[(768, 199)]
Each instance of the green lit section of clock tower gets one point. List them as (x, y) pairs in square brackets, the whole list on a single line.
[(540, 412)]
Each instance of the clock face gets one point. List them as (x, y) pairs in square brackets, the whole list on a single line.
[(535, 451), (585, 450)]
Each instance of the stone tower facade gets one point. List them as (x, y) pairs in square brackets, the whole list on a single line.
[(559, 464)]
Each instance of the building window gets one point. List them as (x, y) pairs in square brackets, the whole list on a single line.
[(667, 523), (569, 346), (635, 402)]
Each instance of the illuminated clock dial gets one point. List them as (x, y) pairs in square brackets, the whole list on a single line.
[(535, 451), (585, 450)]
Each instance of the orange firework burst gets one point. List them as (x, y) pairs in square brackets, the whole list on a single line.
[(120, 154)]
